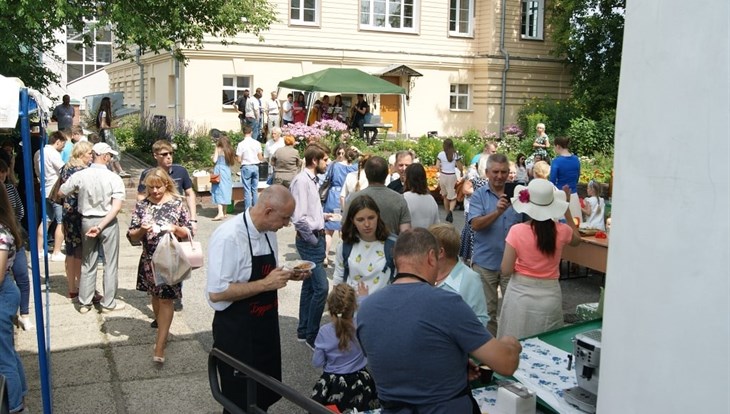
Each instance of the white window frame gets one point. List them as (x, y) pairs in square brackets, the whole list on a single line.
[(301, 9), (456, 92), (457, 18), (234, 88), (90, 55), (369, 5), (532, 19)]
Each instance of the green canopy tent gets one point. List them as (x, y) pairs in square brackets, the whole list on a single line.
[(343, 81)]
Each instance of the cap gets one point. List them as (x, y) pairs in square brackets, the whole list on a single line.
[(102, 148)]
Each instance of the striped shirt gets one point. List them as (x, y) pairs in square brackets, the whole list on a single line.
[(15, 201)]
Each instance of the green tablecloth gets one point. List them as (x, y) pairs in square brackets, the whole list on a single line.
[(563, 338)]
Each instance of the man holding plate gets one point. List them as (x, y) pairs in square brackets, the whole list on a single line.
[(242, 289)]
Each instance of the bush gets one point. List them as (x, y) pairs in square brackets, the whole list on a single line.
[(428, 148), (474, 137), (558, 114), (588, 136), (598, 168)]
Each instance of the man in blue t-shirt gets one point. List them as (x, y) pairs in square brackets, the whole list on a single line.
[(417, 338)]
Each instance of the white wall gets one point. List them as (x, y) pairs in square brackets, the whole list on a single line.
[(667, 317)]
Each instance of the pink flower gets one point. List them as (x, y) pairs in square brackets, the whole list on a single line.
[(524, 196)]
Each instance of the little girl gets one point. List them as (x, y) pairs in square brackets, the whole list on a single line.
[(345, 382), (595, 207)]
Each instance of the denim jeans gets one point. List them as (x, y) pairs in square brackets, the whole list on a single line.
[(20, 273), (314, 289), (256, 133), (250, 178), (10, 365)]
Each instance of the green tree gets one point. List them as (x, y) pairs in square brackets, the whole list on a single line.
[(27, 28), (589, 33)]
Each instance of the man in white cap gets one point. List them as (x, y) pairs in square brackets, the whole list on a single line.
[(100, 195)]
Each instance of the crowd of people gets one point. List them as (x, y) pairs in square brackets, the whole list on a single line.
[(395, 255)]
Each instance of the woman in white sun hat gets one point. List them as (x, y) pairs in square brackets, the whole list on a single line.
[(533, 302)]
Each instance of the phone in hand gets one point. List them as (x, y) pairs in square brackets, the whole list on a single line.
[(509, 189)]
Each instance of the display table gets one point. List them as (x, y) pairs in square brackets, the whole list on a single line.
[(591, 253)]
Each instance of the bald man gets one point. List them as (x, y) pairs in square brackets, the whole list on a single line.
[(243, 279)]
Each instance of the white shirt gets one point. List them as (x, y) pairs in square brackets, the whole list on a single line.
[(351, 182), (248, 150), (272, 106), (366, 262), (288, 111), (595, 220), (96, 187), (446, 166), (229, 260), (52, 163)]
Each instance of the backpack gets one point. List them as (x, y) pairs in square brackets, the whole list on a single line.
[(389, 262)]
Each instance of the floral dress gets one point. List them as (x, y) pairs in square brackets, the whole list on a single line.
[(467, 234), (542, 139), (71, 216), (170, 212)]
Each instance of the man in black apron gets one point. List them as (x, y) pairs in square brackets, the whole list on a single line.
[(242, 282)]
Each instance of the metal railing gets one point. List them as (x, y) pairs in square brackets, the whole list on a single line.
[(254, 377)]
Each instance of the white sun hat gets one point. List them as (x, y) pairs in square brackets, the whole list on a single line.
[(540, 200)]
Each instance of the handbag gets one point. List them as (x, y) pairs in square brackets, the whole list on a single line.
[(193, 251), (215, 178), (53, 196), (324, 189), (169, 263)]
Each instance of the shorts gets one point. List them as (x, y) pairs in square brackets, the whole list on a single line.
[(54, 212), (447, 184)]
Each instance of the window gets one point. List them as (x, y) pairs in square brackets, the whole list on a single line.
[(461, 13), (82, 60), (233, 87), (398, 15), (304, 12), (532, 19), (460, 97)]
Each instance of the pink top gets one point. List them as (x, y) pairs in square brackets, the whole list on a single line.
[(531, 261)]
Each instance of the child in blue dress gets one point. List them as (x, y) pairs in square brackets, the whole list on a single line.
[(345, 381)]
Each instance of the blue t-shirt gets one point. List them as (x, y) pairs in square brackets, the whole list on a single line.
[(565, 170), (178, 173), (67, 149), (416, 338)]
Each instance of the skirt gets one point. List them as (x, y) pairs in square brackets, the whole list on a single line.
[(347, 391), (530, 306)]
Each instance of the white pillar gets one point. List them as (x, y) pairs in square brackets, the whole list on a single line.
[(667, 315)]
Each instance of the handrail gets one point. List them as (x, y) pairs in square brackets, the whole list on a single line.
[(253, 377)]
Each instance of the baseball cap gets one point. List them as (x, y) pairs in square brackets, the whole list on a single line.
[(102, 148)]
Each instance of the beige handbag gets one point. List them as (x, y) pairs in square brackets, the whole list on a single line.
[(193, 251)]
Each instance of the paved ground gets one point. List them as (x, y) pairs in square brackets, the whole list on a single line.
[(101, 363)]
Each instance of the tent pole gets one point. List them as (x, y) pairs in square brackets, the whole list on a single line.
[(405, 120), (43, 362)]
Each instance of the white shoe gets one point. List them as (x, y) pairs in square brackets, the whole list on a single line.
[(117, 307), (58, 257), (25, 323)]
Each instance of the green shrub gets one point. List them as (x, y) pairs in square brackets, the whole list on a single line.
[(558, 114), (467, 150), (511, 145), (588, 136), (533, 120), (474, 137), (427, 149)]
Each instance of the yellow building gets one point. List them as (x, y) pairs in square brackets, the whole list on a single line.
[(454, 45)]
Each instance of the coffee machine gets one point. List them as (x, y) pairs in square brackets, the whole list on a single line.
[(587, 351)]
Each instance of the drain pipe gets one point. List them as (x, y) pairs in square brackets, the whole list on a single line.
[(503, 102), (141, 85)]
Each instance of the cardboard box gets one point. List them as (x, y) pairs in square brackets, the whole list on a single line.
[(201, 183)]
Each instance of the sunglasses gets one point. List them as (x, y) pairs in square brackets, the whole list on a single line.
[(165, 154)]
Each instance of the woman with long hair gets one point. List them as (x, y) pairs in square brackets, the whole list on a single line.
[(162, 211), (595, 208), (300, 109), (11, 366), (423, 208), (338, 108), (345, 381), (224, 157), (447, 163), (81, 156), (366, 233), (337, 172), (533, 302), (104, 123), (287, 162), (522, 176)]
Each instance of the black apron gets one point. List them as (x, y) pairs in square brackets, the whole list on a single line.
[(248, 330)]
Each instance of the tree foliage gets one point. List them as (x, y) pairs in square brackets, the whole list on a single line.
[(589, 33), (28, 27)]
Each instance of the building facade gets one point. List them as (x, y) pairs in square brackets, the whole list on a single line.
[(454, 45)]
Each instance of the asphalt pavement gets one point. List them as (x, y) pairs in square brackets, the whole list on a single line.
[(102, 363)]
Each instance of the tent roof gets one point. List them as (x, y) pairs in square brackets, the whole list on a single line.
[(342, 81)]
